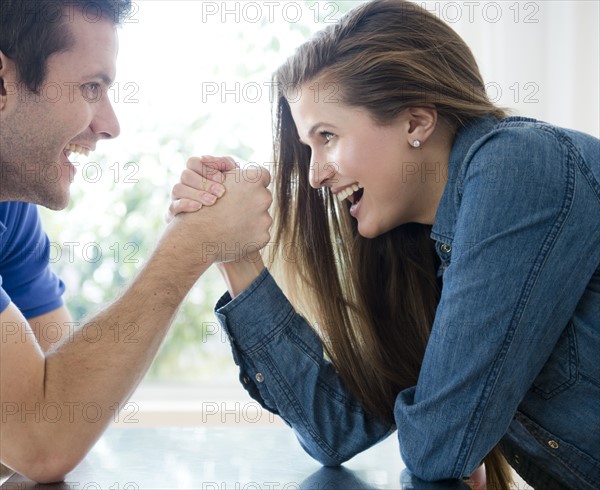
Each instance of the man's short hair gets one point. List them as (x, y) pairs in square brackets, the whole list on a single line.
[(32, 30)]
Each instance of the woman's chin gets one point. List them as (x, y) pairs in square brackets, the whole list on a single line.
[(369, 231)]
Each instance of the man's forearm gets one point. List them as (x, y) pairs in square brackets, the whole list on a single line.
[(115, 349), (76, 388)]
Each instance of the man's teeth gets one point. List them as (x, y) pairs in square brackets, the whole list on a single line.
[(71, 148), (348, 191)]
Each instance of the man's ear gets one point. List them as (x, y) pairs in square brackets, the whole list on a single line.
[(7, 78), (2, 83)]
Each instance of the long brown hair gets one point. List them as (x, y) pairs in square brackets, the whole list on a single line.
[(373, 301)]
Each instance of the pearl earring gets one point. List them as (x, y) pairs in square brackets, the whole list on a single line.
[(416, 144)]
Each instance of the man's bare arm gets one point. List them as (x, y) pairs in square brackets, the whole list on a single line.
[(61, 403), (52, 327), (89, 375)]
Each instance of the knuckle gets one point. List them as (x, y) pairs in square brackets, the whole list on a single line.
[(193, 162), (177, 190), (190, 205), (186, 175), (209, 168)]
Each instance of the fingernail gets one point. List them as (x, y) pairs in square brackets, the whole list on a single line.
[(208, 199), (217, 190)]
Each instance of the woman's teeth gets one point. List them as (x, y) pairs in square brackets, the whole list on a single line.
[(348, 191), (71, 148)]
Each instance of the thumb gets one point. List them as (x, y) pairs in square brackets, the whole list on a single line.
[(222, 164)]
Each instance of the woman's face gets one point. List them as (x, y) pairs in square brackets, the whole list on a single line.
[(374, 167)]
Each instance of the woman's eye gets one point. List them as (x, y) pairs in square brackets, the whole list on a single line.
[(327, 136), (91, 91)]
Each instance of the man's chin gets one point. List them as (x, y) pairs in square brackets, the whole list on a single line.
[(54, 202), (57, 205)]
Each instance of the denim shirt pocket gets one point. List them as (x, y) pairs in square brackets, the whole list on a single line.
[(580, 464), (560, 371)]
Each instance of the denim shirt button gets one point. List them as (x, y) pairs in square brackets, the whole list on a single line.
[(517, 459), (259, 377), (553, 444), (246, 380), (445, 248)]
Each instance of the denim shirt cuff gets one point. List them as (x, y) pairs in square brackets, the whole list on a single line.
[(252, 318)]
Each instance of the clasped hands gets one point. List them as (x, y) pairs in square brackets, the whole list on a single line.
[(237, 221)]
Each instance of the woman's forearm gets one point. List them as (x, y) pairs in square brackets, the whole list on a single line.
[(240, 274)]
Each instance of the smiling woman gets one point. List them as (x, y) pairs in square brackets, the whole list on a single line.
[(342, 139), (406, 306)]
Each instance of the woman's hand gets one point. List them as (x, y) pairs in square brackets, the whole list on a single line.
[(201, 184), (477, 480)]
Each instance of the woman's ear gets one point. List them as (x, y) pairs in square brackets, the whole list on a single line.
[(421, 125)]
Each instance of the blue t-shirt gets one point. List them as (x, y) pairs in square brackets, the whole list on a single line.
[(25, 275)]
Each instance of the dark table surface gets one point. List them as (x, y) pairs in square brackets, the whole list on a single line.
[(225, 458)]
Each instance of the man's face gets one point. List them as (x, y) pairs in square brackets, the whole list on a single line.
[(72, 108)]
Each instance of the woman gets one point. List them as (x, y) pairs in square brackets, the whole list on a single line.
[(446, 256)]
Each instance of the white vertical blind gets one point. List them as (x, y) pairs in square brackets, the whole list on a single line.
[(539, 58)]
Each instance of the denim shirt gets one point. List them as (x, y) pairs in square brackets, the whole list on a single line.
[(513, 356)]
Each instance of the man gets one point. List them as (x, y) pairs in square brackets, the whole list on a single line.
[(72, 45)]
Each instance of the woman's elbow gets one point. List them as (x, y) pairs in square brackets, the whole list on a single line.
[(325, 456), (429, 465)]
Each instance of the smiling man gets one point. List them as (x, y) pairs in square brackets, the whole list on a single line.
[(57, 61)]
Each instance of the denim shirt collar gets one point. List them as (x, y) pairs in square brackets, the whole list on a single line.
[(445, 218)]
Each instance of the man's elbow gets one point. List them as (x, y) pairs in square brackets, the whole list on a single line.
[(45, 466)]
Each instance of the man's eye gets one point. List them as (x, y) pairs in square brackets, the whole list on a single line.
[(91, 91)]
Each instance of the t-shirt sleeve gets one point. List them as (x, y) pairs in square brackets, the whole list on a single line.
[(27, 279), (4, 299)]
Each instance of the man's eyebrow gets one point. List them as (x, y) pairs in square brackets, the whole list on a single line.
[(108, 81)]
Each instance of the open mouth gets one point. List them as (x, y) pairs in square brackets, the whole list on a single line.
[(72, 148), (353, 193), (356, 196)]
